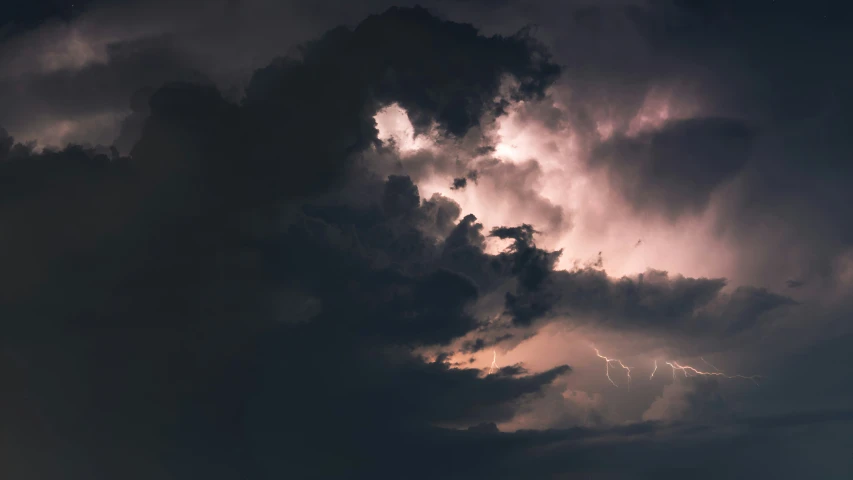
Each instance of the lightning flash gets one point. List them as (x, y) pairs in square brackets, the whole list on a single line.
[(709, 364), (689, 371), (494, 364), (608, 361)]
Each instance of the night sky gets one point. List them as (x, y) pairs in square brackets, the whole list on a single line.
[(258, 239)]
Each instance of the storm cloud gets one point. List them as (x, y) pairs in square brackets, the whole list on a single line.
[(237, 272), (676, 168)]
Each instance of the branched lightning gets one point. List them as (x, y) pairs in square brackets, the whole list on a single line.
[(494, 364), (709, 364), (607, 362), (689, 371)]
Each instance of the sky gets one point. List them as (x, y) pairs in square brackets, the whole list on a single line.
[(254, 239)]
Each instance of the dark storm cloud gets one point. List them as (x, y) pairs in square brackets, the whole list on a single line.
[(512, 370), (474, 346), (6, 144), (775, 68), (656, 301), (36, 100), (643, 450), (676, 168), (218, 306), (459, 183), (772, 67), (666, 303), (466, 398), (746, 305), (23, 15), (129, 65), (691, 400), (400, 197), (427, 70), (131, 126), (530, 264), (158, 289), (516, 185), (438, 216), (519, 182)]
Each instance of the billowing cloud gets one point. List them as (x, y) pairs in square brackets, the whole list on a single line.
[(309, 274), (675, 169), (652, 301), (696, 399), (186, 235)]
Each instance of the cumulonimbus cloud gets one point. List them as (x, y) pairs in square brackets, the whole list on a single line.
[(157, 291)]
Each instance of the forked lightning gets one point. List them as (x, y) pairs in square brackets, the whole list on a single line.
[(607, 362)]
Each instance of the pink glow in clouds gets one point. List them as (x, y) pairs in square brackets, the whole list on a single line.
[(550, 164), (540, 166)]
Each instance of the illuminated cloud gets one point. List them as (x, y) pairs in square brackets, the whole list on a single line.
[(696, 399), (393, 246), (675, 167)]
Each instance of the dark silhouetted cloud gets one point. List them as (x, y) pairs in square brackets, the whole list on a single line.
[(167, 281), (675, 169), (459, 183), (236, 290)]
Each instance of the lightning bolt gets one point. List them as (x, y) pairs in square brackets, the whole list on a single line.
[(709, 364), (689, 371), (494, 364), (653, 371), (608, 361)]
